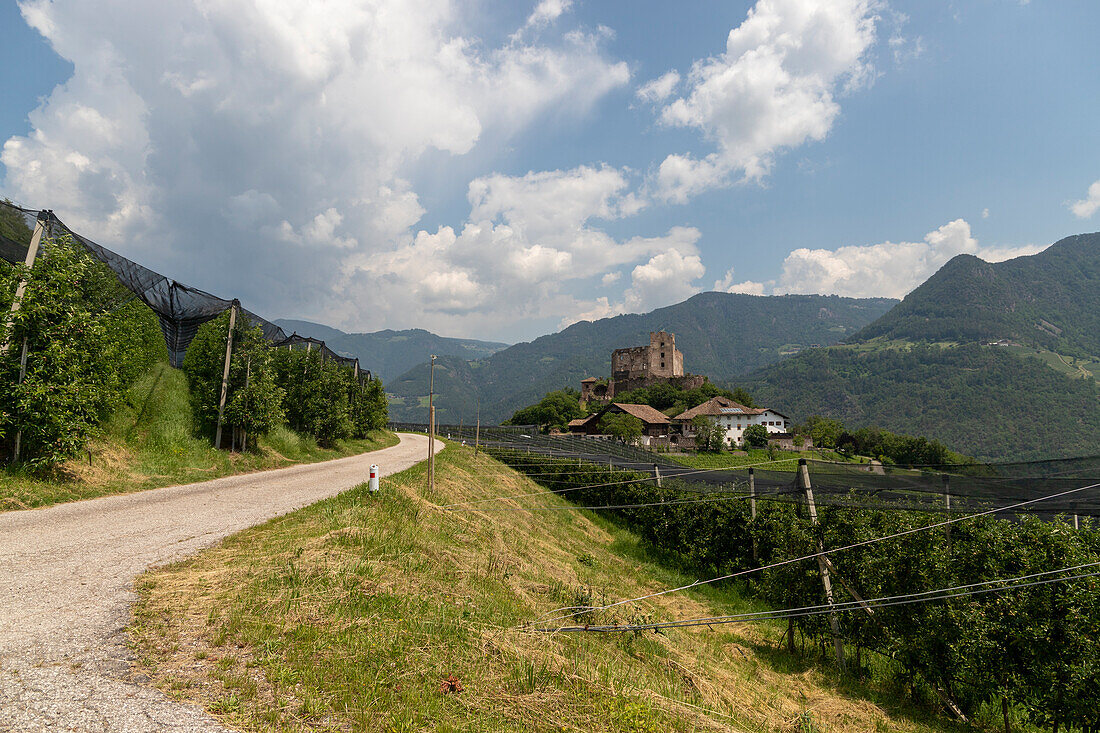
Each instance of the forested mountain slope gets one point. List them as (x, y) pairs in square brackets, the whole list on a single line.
[(721, 335), (1049, 300)]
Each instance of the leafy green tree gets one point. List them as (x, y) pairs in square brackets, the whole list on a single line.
[(709, 435), (755, 436), (626, 428), (555, 410), (369, 410), (823, 431), (86, 340), (254, 402)]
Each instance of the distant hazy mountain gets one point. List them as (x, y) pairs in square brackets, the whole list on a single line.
[(722, 335), (390, 353), (1028, 393)]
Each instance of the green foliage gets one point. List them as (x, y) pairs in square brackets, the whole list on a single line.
[(709, 435), (1037, 646), (755, 436), (267, 386), (824, 431), (368, 407), (626, 428), (555, 410), (86, 341), (253, 399), (673, 400)]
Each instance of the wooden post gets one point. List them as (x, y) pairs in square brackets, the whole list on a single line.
[(17, 448), (225, 373), (838, 643), (752, 493), (477, 432), (947, 503), (657, 473), (431, 425), (32, 253), (752, 510)]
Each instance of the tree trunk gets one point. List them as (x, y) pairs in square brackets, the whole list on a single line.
[(790, 636), (1004, 709)]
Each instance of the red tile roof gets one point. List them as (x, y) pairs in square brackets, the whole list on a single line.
[(645, 413), (716, 406)]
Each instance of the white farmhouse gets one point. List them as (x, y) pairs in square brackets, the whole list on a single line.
[(733, 418)]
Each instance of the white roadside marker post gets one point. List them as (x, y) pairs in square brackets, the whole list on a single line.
[(373, 483)]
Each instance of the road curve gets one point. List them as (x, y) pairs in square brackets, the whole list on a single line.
[(66, 587)]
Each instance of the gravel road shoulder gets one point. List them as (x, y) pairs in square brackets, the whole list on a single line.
[(68, 572)]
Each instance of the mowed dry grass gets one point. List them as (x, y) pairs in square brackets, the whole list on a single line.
[(351, 614)]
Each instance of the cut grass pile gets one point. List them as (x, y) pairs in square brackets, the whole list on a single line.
[(384, 613), (149, 442)]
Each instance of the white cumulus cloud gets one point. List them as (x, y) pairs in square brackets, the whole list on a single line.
[(262, 149), (729, 284), (774, 87), (888, 269), (530, 245), (1089, 205)]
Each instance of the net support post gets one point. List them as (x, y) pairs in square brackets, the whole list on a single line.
[(947, 503), (834, 622), (752, 512), (225, 373), (17, 301)]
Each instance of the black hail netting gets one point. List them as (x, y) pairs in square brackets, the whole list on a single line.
[(919, 488), (294, 342), (180, 308)]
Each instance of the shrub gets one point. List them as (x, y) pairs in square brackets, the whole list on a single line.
[(254, 402), (86, 340)]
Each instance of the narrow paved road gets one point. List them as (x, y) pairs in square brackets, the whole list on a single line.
[(66, 577)]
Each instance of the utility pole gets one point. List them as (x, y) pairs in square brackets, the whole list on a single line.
[(431, 425), (823, 566), (225, 372)]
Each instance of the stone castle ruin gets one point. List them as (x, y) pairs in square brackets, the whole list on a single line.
[(642, 366)]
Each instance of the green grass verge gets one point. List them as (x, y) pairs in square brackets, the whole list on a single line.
[(354, 613), (788, 460), (149, 442)]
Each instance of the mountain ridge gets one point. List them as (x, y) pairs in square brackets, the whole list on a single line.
[(996, 359), (764, 327), (389, 353)]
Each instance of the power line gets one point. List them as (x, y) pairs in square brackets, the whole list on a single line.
[(822, 553)]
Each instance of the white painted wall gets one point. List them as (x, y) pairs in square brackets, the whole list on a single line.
[(735, 425)]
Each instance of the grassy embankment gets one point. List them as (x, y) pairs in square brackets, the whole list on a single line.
[(350, 615), (149, 442)]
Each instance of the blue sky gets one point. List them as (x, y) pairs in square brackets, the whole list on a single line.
[(499, 170)]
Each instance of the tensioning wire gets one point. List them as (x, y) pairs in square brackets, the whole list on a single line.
[(592, 486), (823, 553), (871, 603)]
